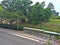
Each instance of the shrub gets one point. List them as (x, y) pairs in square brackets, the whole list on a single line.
[(17, 27), (20, 28), (14, 27), (10, 26)]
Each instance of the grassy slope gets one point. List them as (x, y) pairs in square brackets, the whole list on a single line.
[(52, 25)]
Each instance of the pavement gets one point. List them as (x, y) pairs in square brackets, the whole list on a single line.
[(20, 34), (9, 37)]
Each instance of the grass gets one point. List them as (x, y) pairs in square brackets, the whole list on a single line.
[(30, 25), (52, 25)]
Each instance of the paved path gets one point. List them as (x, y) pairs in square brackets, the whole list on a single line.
[(8, 39)]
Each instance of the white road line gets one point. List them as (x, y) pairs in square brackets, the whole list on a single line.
[(26, 37)]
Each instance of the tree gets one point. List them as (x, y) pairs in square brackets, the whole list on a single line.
[(48, 14), (55, 13), (11, 5), (42, 4), (23, 9), (19, 7), (50, 5), (15, 5), (8, 5), (26, 5), (36, 14)]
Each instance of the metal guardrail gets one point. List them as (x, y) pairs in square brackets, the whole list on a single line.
[(42, 31)]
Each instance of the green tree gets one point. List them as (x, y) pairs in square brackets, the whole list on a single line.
[(48, 14), (18, 7), (50, 5), (15, 5), (23, 8), (43, 4), (26, 5), (11, 5), (36, 13)]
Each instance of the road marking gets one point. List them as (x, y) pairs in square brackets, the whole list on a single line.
[(26, 37)]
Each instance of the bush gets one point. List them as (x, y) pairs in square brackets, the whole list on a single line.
[(58, 17), (14, 27), (10, 26), (20, 28), (5, 26)]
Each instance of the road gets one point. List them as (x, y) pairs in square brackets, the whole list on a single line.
[(9, 39)]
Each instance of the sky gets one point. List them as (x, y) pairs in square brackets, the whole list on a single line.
[(56, 3)]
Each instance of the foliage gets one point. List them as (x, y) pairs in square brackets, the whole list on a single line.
[(48, 14), (55, 17), (52, 25), (1, 8), (38, 14), (35, 14), (55, 13), (58, 17), (16, 5), (50, 5), (43, 4), (57, 37), (9, 26)]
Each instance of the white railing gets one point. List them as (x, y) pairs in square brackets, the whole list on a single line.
[(39, 30)]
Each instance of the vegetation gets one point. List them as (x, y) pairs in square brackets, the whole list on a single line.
[(34, 14), (51, 26), (26, 14), (31, 15), (9, 26)]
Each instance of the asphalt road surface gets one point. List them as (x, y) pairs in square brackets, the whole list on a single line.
[(9, 39)]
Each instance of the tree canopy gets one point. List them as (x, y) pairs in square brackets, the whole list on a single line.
[(23, 8)]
